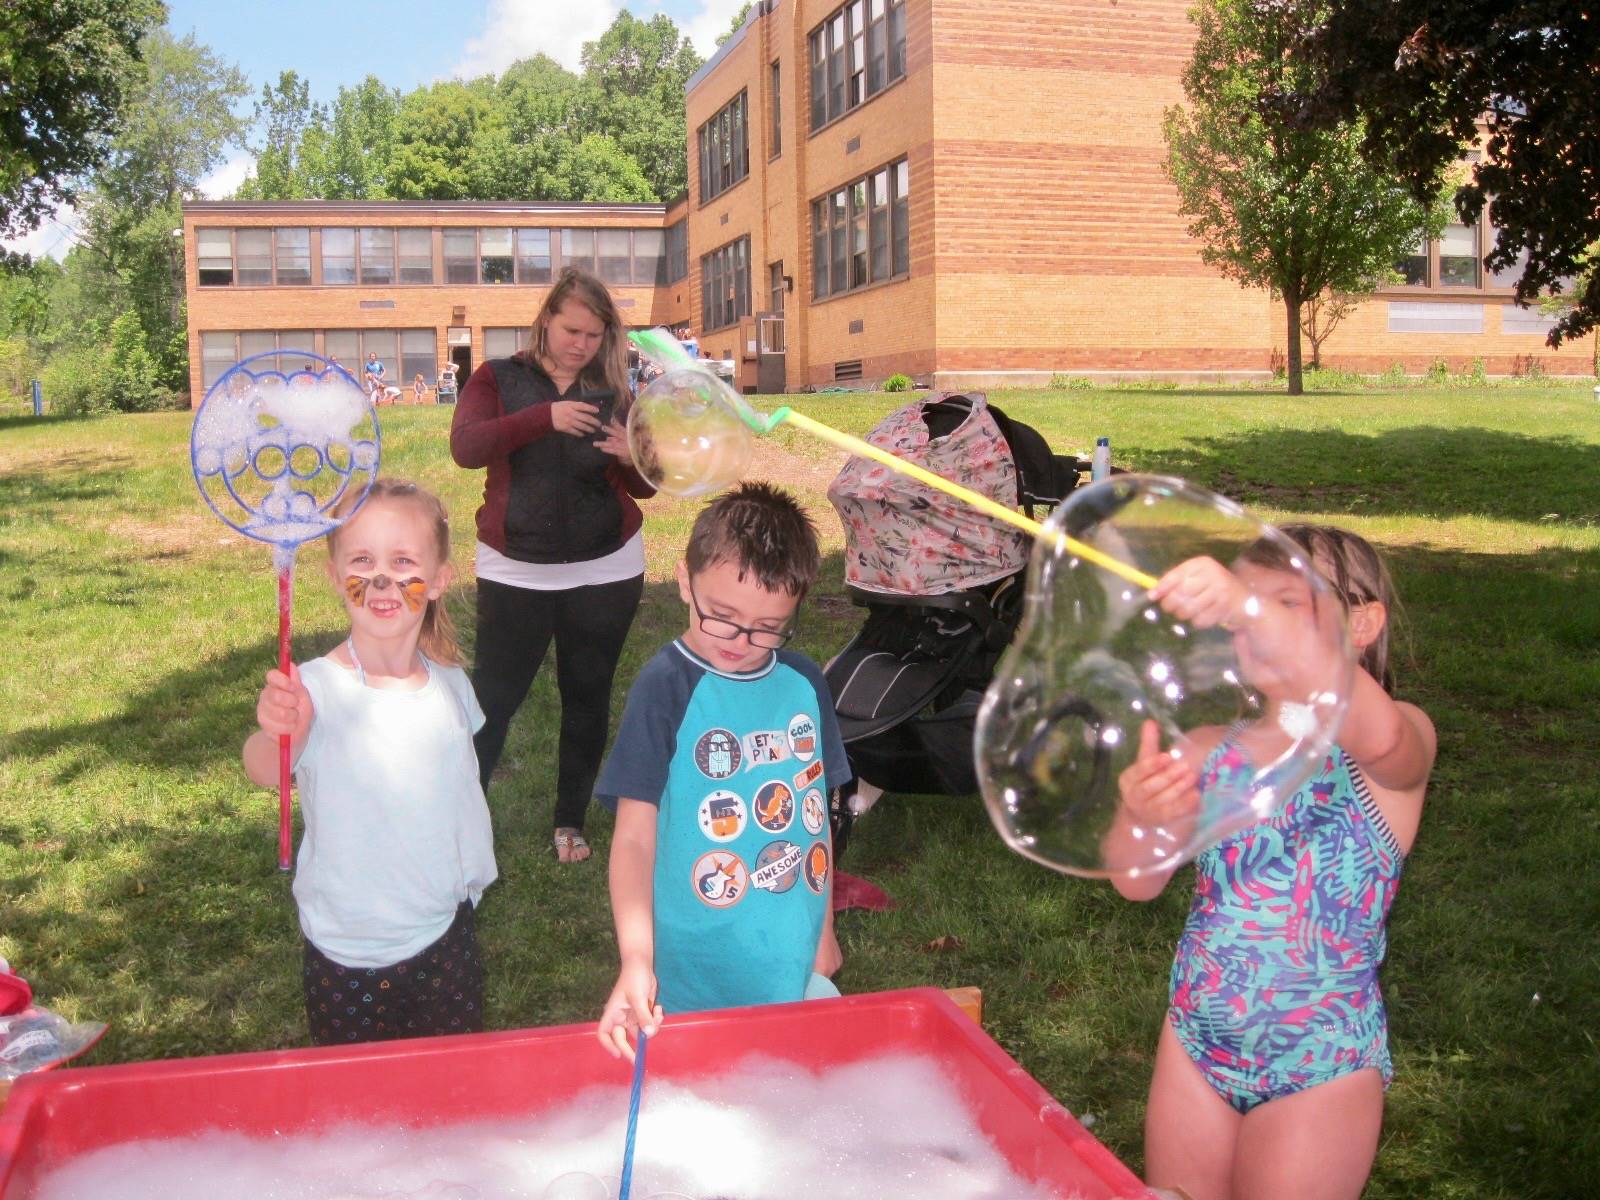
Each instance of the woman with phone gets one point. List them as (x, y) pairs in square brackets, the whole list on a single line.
[(560, 556)]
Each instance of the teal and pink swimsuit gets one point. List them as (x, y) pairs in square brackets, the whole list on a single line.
[(1275, 981)]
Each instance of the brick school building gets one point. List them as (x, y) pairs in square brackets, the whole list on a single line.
[(967, 193)]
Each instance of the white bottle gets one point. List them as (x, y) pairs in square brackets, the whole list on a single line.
[(1100, 465)]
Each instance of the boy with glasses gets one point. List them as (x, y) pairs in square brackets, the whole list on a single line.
[(721, 864)]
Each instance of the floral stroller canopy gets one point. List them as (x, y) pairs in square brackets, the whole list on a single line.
[(903, 537)]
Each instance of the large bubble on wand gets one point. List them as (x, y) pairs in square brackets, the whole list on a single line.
[(1252, 709), (688, 434), (275, 452)]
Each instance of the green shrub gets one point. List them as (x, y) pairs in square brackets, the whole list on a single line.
[(1071, 383), (1473, 376), (1394, 376), (897, 383), (1438, 371), (77, 382)]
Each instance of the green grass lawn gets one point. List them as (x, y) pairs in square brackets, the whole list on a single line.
[(137, 872)]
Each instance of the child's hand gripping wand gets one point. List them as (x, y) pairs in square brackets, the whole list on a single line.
[(284, 458)]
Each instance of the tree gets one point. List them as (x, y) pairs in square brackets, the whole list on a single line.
[(738, 22), (634, 76), (1279, 206), (65, 66), (178, 123), (286, 115), (436, 130), (1423, 74)]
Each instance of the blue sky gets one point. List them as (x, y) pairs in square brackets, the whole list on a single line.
[(404, 42), (407, 42)]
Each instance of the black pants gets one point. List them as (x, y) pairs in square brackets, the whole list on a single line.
[(438, 990), (515, 628)]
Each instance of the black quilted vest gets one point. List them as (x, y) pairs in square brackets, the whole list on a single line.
[(562, 505)]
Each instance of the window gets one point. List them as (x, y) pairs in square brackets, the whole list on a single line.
[(775, 287), (256, 342), (616, 256), (338, 256), (855, 54), (416, 255), (533, 256), (649, 261), (1458, 256), (1413, 267), (297, 342), (461, 256), (503, 343), (294, 257), (577, 249), (377, 256), (677, 252), (343, 345), (384, 343), (725, 285), (418, 356), (253, 257), (217, 353), (214, 255), (860, 234), (777, 115), (494, 248), (724, 149)]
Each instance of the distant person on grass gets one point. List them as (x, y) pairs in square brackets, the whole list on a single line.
[(397, 847), (721, 863), (374, 372), (1274, 1056), (560, 553)]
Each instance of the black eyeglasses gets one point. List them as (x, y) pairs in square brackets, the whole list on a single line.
[(725, 631)]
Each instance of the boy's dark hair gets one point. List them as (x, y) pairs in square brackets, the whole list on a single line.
[(763, 531)]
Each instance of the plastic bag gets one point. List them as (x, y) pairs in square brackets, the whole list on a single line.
[(34, 1038)]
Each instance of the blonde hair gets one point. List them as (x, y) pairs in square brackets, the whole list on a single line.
[(609, 368), (438, 638)]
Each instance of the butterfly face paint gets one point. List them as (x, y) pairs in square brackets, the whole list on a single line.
[(414, 591)]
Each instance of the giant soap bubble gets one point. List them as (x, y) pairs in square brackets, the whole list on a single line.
[(1249, 708), (687, 435)]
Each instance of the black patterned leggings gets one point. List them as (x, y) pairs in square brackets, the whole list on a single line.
[(439, 990)]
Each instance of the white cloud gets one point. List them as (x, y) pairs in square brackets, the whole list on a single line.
[(55, 236), (710, 23), (223, 181), (517, 29)]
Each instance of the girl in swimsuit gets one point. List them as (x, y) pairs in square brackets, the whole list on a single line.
[(1273, 1059)]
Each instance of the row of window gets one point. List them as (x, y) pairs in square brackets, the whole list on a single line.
[(382, 257), (724, 143), (1455, 260), (404, 353), (861, 233), (855, 54), (725, 285)]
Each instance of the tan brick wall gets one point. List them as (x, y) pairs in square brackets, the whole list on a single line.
[(1362, 342)]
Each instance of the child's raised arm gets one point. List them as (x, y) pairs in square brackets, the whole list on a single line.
[(632, 1003), (284, 707)]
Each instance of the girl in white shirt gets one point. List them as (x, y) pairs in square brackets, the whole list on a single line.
[(397, 846)]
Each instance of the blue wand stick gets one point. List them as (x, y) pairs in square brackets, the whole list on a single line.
[(633, 1118)]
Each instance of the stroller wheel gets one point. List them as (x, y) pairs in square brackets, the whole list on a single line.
[(841, 818)]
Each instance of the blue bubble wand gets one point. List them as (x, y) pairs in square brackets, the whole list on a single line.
[(283, 458), (633, 1117)]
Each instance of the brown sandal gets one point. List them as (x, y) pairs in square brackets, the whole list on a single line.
[(570, 840)]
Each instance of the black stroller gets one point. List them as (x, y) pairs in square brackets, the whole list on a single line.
[(943, 588)]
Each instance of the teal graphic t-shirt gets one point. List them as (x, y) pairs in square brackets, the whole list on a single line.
[(740, 766)]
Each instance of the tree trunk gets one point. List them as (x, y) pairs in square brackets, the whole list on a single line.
[(1291, 303)]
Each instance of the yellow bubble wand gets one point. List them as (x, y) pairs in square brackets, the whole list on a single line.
[(661, 348)]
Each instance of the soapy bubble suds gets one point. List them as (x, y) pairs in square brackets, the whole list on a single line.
[(878, 1129)]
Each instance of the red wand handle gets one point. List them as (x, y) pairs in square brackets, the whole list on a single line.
[(285, 782)]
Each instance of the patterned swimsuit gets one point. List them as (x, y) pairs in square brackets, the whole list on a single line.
[(1275, 982)]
